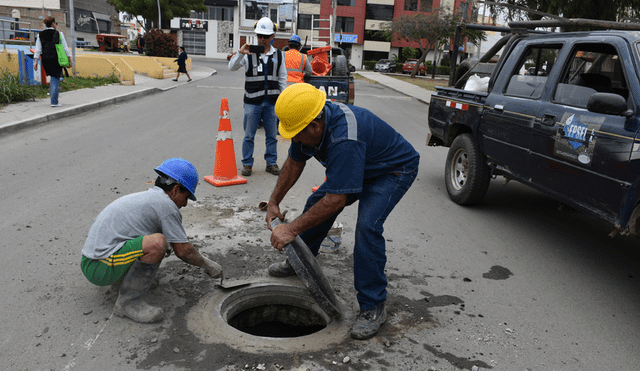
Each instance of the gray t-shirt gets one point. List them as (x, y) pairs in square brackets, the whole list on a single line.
[(132, 216)]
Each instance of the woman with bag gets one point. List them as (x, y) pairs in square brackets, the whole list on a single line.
[(182, 64), (46, 46)]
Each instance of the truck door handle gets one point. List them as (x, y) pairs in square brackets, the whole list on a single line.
[(498, 107), (548, 120)]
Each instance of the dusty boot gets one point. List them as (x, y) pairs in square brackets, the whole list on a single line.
[(282, 269), (134, 286), (154, 285)]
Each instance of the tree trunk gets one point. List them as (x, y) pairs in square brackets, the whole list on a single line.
[(435, 58)]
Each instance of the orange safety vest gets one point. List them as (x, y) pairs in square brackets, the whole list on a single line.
[(295, 62)]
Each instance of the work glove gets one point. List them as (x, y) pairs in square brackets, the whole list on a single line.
[(212, 268)]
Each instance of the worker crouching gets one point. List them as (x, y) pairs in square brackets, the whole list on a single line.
[(131, 236)]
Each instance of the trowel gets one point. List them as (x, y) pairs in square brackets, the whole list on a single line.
[(232, 284)]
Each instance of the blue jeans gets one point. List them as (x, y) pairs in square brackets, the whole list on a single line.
[(378, 198), (54, 89), (253, 113)]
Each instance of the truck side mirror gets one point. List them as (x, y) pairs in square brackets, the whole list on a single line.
[(608, 104)]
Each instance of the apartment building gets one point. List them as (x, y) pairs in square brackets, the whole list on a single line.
[(91, 17), (359, 24)]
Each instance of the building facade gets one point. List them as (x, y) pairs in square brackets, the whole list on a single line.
[(90, 17)]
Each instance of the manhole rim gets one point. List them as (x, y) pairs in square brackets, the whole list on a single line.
[(206, 320)]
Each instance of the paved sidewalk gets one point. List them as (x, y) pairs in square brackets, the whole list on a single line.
[(400, 86), (24, 115)]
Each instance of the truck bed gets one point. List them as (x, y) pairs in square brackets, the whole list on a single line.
[(448, 106)]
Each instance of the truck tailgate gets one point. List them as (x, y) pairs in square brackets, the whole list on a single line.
[(337, 88)]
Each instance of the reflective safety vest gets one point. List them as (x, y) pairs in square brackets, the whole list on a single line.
[(257, 87), (295, 62)]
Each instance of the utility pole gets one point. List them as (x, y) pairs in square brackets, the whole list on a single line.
[(159, 16), (484, 8), (72, 33), (456, 43), (333, 22)]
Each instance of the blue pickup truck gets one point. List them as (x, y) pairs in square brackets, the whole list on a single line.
[(561, 114)]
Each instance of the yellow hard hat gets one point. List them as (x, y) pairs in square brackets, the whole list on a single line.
[(297, 106)]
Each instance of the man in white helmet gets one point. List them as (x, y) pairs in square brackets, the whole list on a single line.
[(265, 78), (131, 236)]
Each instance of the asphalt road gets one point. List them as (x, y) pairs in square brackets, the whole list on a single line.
[(513, 284)]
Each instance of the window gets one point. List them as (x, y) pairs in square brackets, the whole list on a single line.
[(220, 13), (197, 15), (427, 6), (411, 5), (253, 10), (344, 24), (594, 68), (379, 12), (347, 2), (529, 79), (304, 21)]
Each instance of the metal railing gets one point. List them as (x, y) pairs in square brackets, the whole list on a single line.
[(15, 29)]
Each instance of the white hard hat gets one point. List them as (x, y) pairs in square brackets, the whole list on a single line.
[(265, 26)]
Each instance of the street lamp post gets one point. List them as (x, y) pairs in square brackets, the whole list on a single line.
[(159, 16), (72, 33)]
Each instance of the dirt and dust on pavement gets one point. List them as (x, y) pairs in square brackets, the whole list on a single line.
[(233, 232)]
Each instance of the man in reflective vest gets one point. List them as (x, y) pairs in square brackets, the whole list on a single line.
[(297, 63), (265, 77)]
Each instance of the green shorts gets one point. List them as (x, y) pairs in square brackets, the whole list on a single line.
[(112, 269)]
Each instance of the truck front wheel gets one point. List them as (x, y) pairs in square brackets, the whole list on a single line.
[(466, 172)]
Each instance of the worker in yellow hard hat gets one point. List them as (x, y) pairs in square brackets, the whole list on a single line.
[(366, 160)]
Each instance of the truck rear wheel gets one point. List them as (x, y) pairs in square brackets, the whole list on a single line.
[(466, 173)]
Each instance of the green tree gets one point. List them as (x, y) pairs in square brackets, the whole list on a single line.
[(430, 30), (148, 9), (612, 10)]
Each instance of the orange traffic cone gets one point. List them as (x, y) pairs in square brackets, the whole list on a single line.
[(225, 172), (316, 187)]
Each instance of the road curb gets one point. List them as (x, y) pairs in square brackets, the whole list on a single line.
[(16, 126)]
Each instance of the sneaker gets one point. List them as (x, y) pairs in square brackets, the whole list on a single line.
[(246, 170), (273, 169), (369, 322), (189, 80), (56, 105), (175, 80), (282, 269)]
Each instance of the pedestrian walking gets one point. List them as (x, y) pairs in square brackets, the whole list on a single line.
[(366, 160), (46, 47), (131, 236), (182, 64), (140, 44), (265, 78)]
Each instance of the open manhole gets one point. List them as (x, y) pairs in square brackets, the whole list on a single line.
[(278, 321), (267, 317)]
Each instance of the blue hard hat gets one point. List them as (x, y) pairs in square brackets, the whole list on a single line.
[(181, 171), (295, 39)]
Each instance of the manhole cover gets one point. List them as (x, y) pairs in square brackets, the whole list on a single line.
[(311, 275)]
